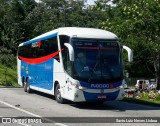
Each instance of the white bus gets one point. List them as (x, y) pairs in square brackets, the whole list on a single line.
[(77, 64)]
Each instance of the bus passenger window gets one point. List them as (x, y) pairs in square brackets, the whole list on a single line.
[(66, 61)]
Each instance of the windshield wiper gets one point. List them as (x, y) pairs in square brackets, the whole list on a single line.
[(101, 61), (97, 63), (93, 70)]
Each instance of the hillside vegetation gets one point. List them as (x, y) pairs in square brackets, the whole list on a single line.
[(8, 76)]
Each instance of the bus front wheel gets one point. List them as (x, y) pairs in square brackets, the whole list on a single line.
[(58, 97)]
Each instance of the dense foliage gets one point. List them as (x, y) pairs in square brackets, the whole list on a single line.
[(136, 22)]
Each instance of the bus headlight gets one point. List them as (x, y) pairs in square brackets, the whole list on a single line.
[(82, 88), (120, 87)]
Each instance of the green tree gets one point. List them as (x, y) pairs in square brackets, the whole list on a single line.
[(136, 22), (13, 14)]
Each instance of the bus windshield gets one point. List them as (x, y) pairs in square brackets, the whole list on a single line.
[(97, 60)]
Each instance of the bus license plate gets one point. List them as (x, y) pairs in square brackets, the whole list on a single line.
[(102, 96)]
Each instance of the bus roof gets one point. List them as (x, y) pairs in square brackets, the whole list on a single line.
[(75, 32)]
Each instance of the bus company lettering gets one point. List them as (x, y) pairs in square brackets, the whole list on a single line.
[(99, 85)]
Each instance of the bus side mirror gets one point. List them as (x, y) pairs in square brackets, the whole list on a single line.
[(130, 53), (71, 51)]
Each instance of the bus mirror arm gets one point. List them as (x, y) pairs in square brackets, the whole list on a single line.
[(71, 51), (130, 53)]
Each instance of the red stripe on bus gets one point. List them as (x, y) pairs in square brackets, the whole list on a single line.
[(40, 59)]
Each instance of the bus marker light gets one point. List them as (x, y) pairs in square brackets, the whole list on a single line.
[(111, 86), (39, 44)]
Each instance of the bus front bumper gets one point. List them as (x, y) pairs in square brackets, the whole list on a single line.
[(98, 95)]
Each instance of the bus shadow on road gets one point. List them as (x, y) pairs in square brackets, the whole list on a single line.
[(118, 106), (42, 94)]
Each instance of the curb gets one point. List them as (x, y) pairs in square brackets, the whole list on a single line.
[(141, 102), (10, 87)]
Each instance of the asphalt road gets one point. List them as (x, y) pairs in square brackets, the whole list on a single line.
[(14, 102)]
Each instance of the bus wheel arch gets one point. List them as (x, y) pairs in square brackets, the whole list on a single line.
[(55, 85), (57, 93)]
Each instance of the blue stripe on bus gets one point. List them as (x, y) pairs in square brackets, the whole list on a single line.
[(40, 75), (42, 38), (100, 96), (101, 86)]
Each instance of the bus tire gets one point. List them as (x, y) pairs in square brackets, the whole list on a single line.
[(23, 82), (58, 97), (27, 86)]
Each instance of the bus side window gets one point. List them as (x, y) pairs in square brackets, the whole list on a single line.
[(66, 61), (63, 39)]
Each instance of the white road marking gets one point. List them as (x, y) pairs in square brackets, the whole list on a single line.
[(32, 114), (19, 109), (60, 124)]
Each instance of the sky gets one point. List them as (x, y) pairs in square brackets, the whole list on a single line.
[(90, 2)]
